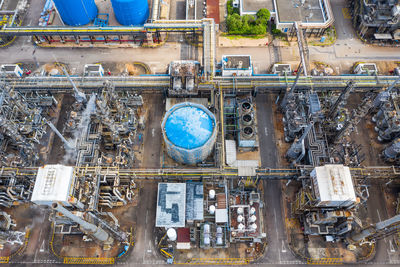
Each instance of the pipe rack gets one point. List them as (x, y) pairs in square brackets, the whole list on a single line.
[(362, 83), (301, 172)]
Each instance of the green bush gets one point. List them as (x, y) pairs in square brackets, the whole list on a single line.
[(263, 14), (274, 30), (247, 24)]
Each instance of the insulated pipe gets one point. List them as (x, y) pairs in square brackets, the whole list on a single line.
[(92, 229), (79, 96), (342, 97), (67, 144), (383, 226), (297, 150), (118, 195), (10, 194), (290, 93)]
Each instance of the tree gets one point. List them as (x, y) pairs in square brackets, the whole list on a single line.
[(264, 14), (248, 18), (234, 23), (259, 29), (247, 24)]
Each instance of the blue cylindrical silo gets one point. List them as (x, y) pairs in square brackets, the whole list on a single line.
[(76, 12), (190, 132), (131, 12)]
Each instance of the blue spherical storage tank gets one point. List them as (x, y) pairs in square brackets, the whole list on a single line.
[(190, 132), (76, 12), (131, 12)]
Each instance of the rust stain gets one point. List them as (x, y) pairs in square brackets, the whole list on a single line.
[(213, 10)]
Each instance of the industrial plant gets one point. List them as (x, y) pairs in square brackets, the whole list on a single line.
[(138, 132)]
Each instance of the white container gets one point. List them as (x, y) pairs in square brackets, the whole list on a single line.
[(252, 211), (207, 228), (253, 227), (241, 227), (211, 194), (239, 218), (239, 211), (253, 218), (171, 233), (211, 209)]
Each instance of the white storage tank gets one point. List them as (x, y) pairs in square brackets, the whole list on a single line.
[(240, 210), (252, 211), (206, 233), (211, 209), (211, 194), (240, 219), (190, 132), (171, 233), (253, 218)]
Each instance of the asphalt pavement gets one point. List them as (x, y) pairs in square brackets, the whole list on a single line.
[(278, 250)]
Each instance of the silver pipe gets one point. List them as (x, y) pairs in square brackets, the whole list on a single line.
[(79, 96), (92, 229), (67, 144), (118, 195)]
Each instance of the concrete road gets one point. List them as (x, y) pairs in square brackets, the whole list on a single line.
[(278, 250), (157, 58), (144, 251), (348, 49), (260, 56), (152, 133), (376, 209)]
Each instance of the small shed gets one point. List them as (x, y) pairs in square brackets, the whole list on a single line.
[(183, 240)]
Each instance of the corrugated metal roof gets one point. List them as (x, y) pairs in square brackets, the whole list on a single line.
[(334, 183), (221, 215), (183, 235), (171, 200), (194, 201), (221, 200), (53, 183), (230, 151), (247, 167)]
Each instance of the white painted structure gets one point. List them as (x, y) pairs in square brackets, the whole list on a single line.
[(366, 68), (237, 65), (171, 233), (54, 183), (12, 70), (333, 186), (94, 70)]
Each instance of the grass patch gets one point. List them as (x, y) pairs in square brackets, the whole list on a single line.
[(330, 38), (236, 36)]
